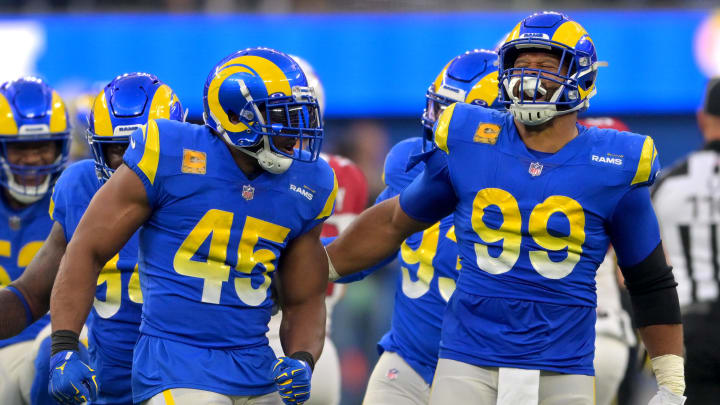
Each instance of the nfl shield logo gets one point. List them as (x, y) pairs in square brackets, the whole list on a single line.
[(535, 169), (14, 222), (392, 374), (248, 192)]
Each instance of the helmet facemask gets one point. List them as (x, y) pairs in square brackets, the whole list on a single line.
[(287, 128), (535, 96), (13, 175)]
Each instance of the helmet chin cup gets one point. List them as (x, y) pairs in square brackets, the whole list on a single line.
[(532, 115), (271, 161), (266, 158), (24, 196)]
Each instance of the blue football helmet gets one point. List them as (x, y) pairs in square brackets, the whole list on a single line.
[(471, 77), (124, 105), (522, 89), (259, 101), (31, 112)]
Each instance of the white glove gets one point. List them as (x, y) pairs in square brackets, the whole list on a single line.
[(665, 397)]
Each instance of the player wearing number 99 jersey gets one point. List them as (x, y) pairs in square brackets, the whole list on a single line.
[(536, 200), (222, 206)]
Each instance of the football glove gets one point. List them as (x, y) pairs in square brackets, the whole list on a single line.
[(666, 397), (292, 379), (71, 380)]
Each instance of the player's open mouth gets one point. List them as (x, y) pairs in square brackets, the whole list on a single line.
[(30, 180)]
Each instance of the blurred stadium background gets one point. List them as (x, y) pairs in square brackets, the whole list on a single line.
[(376, 59)]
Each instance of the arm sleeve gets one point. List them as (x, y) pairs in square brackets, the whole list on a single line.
[(431, 196), (635, 235), (634, 230)]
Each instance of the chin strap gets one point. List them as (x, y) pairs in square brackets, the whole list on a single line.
[(267, 159), (18, 191)]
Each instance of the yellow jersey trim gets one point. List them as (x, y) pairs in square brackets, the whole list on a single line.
[(443, 125), (51, 209), (647, 158), (330, 203), (151, 156)]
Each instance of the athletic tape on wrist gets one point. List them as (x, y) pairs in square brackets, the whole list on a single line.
[(669, 372), (29, 318), (332, 273)]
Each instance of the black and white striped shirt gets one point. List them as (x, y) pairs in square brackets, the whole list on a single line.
[(687, 203)]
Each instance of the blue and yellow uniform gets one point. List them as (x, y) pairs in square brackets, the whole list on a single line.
[(207, 256), (532, 229), (429, 267), (114, 320), (21, 235)]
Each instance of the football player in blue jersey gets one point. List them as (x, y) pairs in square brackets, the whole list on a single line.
[(429, 259), (124, 105), (222, 206), (34, 142), (536, 199)]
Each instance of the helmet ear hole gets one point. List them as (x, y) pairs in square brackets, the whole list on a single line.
[(233, 116)]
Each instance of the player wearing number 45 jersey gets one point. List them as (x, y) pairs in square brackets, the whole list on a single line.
[(222, 206), (536, 200)]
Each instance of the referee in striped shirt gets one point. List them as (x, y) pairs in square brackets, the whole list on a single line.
[(687, 203)]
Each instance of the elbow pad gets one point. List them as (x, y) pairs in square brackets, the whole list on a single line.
[(652, 290)]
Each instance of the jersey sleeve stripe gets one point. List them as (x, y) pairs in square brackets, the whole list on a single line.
[(647, 157), (151, 155), (330, 203), (51, 208), (443, 125)]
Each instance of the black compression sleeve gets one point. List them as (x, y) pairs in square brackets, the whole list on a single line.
[(652, 290)]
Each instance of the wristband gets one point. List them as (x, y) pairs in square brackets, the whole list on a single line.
[(306, 357), (28, 313), (669, 372), (64, 340)]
